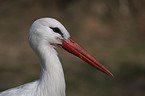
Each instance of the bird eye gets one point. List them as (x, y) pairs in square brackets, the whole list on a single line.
[(57, 30)]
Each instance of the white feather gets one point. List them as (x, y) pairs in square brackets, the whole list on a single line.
[(51, 82)]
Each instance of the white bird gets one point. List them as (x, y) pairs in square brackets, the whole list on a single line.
[(44, 35)]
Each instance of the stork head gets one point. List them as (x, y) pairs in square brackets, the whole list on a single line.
[(48, 31)]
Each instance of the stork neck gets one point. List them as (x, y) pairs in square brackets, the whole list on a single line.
[(51, 81)]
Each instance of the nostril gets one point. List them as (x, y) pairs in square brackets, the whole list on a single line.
[(72, 41)]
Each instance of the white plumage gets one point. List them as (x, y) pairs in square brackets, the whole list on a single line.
[(44, 35)]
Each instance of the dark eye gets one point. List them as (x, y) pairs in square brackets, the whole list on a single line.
[(57, 30)]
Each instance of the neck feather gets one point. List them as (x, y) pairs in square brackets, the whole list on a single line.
[(51, 82)]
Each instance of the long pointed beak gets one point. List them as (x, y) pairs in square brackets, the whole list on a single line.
[(73, 47)]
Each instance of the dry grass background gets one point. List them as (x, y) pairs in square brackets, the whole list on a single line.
[(113, 31)]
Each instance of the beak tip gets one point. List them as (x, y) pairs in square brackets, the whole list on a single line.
[(110, 74)]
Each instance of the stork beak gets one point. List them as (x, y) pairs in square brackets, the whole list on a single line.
[(71, 46)]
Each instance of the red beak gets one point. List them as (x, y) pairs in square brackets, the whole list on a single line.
[(71, 46)]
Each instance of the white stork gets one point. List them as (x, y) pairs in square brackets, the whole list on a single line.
[(44, 35)]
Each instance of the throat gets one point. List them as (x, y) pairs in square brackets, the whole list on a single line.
[(51, 82)]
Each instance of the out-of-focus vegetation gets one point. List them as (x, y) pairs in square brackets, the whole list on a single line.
[(113, 31)]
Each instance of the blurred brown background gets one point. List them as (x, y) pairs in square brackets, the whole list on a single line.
[(113, 31)]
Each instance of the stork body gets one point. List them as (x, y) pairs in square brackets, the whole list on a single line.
[(44, 35)]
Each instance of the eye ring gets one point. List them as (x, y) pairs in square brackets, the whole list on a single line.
[(57, 30)]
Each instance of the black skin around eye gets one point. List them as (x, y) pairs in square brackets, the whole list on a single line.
[(57, 30)]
